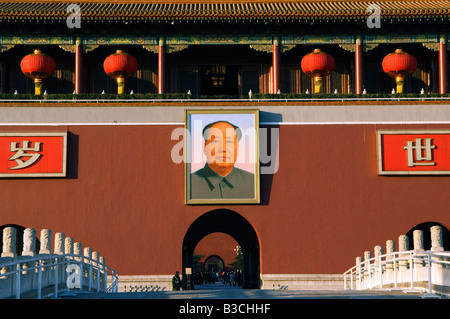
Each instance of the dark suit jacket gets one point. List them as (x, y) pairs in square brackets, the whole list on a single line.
[(207, 184)]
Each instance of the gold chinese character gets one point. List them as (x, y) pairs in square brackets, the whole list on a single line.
[(422, 152), (21, 152)]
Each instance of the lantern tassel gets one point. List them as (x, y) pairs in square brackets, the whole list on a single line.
[(400, 81), (120, 85), (37, 86), (318, 84)]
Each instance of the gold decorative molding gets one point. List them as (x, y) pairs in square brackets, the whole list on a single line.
[(71, 47), (267, 48), (6, 47), (151, 48), (171, 48), (89, 47), (350, 47), (347, 47), (431, 46), (370, 46), (68, 47), (287, 47)]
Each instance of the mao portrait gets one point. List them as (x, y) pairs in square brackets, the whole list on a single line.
[(223, 161)]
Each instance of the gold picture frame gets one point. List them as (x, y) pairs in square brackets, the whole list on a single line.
[(233, 178)]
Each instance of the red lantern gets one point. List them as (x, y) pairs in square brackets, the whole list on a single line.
[(318, 64), (38, 66), (119, 66), (398, 65)]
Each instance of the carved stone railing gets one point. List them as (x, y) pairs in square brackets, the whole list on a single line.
[(417, 270), (68, 269)]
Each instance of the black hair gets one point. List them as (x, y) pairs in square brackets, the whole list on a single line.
[(236, 128)]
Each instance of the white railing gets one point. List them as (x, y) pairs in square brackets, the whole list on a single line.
[(52, 275), (194, 100), (421, 270)]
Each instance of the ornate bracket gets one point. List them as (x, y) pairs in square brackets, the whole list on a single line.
[(268, 48), (170, 48), (6, 47), (351, 47)]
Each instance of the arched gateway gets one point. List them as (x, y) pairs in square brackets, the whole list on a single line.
[(231, 223)]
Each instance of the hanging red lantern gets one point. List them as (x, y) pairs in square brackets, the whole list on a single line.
[(119, 66), (318, 64), (399, 65), (38, 66)]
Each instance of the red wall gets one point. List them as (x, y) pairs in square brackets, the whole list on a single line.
[(124, 197)]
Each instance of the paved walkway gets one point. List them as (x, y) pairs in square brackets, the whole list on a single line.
[(221, 291), (221, 301)]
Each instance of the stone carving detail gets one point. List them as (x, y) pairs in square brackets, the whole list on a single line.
[(46, 243), (171, 48), (436, 238), (71, 47), (267, 48), (59, 243), (68, 246), (431, 46), (9, 242), (6, 47), (29, 242)]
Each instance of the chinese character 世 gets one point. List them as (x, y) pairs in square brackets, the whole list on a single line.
[(418, 149), (20, 153)]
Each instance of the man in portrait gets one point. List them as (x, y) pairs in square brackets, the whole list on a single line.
[(219, 178)]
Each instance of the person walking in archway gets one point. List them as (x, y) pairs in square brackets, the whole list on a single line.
[(176, 281)]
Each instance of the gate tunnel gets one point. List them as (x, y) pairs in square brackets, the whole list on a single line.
[(233, 224)]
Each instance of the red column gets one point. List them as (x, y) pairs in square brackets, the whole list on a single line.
[(161, 66), (359, 66), (78, 66), (276, 67), (443, 65)]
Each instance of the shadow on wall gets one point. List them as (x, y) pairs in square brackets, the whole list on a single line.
[(269, 133)]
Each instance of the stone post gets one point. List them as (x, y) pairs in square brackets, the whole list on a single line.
[(46, 236), (390, 248), (418, 246), (101, 260), (9, 242), (437, 242), (367, 273), (95, 256), (29, 242), (68, 246), (59, 243), (77, 250), (103, 272), (379, 268), (403, 245), (436, 238), (9, 245), (378, 250), (88, 254), (29, 245), (359, 275)]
